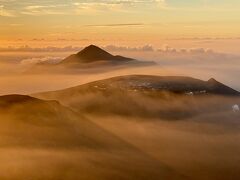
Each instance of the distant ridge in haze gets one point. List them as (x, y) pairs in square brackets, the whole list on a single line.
[(91, 59), (92, 54), (143, 83), (161, 97)]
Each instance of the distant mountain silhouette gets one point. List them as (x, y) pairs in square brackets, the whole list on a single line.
[(175, 84), (90, 60), (167, 97), (220, 88), (92, 54)]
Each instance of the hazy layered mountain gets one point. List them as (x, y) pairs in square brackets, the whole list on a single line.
[(144, 83), (120, 138), (150, 96), (51, 124), (95, 55), (91, 59), (45, 140)]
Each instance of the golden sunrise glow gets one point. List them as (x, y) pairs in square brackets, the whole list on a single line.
[(127, 20), (119, 89)]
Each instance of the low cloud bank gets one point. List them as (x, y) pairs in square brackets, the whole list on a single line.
[(128, 48), (27, 48), (36, 60), (144, 48)]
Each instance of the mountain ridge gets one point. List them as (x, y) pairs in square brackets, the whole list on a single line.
[(176, 84), (92, 53), (92, 59), (151, 97)]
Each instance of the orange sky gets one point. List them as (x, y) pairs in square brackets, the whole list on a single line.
[(205, 23)]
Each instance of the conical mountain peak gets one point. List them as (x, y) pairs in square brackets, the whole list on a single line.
[(213, 81), (94, 52)]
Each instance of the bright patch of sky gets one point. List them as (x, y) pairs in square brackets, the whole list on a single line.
[(152, 18)]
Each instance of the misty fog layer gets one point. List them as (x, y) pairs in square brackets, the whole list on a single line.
[(199, 150), (200, 64), (196, 135), (124, 135), (44, 140)]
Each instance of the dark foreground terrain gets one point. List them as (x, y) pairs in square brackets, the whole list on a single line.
[(44, 140)]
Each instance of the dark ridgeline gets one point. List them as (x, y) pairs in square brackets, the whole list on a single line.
[(220, 88), (157, 97), (175, 84), (91, 59), (93, 54)]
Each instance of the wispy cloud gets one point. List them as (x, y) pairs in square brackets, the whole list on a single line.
[(39, 49), (44, 10), (128, 48), (36, 60), (53, 7), (110, 5), (112, 48), (114, 25), (5, 12), (47, 7)]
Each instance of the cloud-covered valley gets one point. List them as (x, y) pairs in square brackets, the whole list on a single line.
[(197, 62)]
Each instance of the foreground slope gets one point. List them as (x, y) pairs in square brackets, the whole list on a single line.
[(45, 140)]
